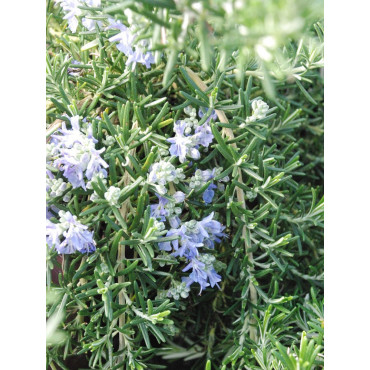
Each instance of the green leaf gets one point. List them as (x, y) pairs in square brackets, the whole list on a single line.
[(251, 173), (223, 148), (306, 93), (204, 45), (172, 59), (195, 101), (114, 249), (93, 209), (131, 267), (144, 332)]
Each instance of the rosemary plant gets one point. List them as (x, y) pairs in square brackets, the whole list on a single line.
[(184, 184)]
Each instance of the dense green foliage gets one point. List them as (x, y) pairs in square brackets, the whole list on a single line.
[(107, 312)]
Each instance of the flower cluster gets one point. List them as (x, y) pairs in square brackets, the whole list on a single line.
[(200, 178), (72, 10), (76, 236), (185, 143), (192, 236), (55, 187), (112, 196), (76, 154), (73, 153), (161, 173), (202, 271), (167, 209), (259, 110), (125, 42), (179, 289)]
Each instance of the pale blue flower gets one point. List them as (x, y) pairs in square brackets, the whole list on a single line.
[(198, 275), (136, 53), (167, 209), (209, 193), (124, 40), (167, 246), (213, 115), (113, 24), (91, 24), (185, 246), (139, 56), (213, 229), (76, 236), (52, 234), (202, 273), (78, 157), (179, 196), (204, 135), (193, 235), (158, 210), (182, 145), (188, 248), (96, 164), (73, 171), (72, 10), (213, 277)]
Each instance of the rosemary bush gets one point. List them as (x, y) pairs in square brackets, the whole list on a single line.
[(184, 184)]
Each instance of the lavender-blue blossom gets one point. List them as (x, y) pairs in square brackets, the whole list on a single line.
[(125, 42), (78, 157), (72, 10), (76, 236), (213, 115), (209, 193), (213, 229), (53, 233), (209, 261), (204, 134), (158, 210), (189, 136), (140, 56), (187, 248), (166, 208), (200, 178), (203, 272), (182, 145), (179, 196), (198, 275), (193, 235)]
